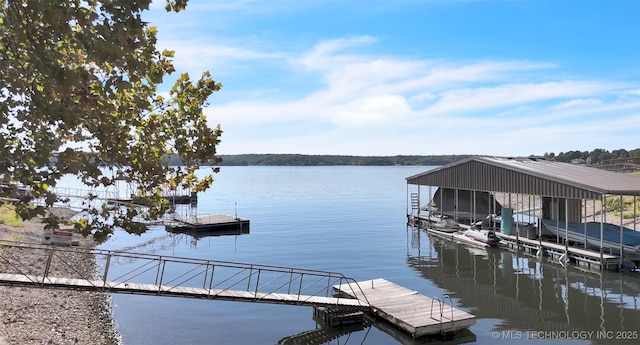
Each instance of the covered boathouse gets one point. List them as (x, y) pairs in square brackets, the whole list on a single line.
[(571, 212)]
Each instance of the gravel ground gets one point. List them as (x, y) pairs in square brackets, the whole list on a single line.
[(52, 316)]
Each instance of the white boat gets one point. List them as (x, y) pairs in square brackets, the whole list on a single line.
[(487, 237)]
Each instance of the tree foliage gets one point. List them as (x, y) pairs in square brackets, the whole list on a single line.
[(79, 83), (594, 157)]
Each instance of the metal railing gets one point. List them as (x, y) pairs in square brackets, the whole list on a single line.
[(84, 193), (108, 270), (442, 305)]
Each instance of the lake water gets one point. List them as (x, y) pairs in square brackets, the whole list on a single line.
[(353, 220)]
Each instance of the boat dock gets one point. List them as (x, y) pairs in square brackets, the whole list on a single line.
[(413, 313), (558, 252), (207, 223), (456, 236), (572, 212), (174, 197), (182, 199), (584, 258), (190, 199)]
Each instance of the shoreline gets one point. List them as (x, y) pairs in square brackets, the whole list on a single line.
[(53, 316)]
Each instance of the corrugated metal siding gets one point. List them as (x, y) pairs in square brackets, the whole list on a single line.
[(527, 176)]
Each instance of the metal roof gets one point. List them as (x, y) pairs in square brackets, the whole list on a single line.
[(533, 176)]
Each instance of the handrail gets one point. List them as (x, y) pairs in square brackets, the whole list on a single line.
[(442, 305), (431, 315), (451, 304), (170, 272)]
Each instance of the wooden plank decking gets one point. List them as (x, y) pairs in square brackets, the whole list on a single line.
[(177, 291), (408, 310)]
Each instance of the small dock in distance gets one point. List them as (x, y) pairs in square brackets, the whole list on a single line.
[(413, 313), (208, 223)]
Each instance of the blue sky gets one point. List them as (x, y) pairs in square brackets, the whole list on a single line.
[(374, 77)]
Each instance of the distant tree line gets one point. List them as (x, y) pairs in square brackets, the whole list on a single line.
[(595, 157), (319, 160)]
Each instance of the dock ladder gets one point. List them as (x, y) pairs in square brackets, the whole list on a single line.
[(415, 202), (442, 304)]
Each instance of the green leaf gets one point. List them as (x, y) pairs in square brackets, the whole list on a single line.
[(80, 80)]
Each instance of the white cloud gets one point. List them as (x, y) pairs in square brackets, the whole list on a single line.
[(511, 94), (580, 102), (197, 55), (491, 107), (324, 55), (370, 110)]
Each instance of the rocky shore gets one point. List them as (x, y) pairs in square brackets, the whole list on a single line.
[(51, 316)]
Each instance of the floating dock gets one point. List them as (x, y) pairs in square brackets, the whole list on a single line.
[(455, 236), (186, 199), (588, 259), (208, 223), (558, 252), (338, 316), (408, 310)]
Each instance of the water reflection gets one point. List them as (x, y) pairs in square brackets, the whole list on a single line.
[(357, 334), (194, 237), (526, 293), (323, 334)]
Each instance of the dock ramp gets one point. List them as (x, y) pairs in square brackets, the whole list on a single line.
[(409, 310)]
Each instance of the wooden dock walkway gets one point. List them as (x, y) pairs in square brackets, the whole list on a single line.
[(159, 275), (177, 291), (408, 310)]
